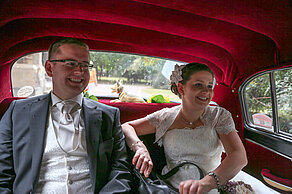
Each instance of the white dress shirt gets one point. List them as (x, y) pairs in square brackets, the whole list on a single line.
[(64, 172)]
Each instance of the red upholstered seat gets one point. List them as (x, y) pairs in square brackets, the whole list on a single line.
[(129, 111)]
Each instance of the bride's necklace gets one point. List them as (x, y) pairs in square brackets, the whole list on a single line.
[(187, 122)]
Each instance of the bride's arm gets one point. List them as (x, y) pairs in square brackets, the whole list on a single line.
[(141, 158), (235, 158)]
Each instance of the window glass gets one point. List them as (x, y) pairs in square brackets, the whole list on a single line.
[(28, 76), (283, 83), (141, 76), (259, 102)]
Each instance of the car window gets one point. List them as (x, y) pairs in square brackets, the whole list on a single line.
[(268, 102), (141, 76), (28, 76), (259, 102)]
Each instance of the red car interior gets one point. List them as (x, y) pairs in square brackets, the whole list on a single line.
[(237, 39)]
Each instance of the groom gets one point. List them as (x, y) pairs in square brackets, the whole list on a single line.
[(62, 142)]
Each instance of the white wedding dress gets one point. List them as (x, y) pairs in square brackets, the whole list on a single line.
[(200, 145)]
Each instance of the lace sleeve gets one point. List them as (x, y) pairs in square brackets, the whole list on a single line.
[(225, 123), (156, 117), (162, 120)]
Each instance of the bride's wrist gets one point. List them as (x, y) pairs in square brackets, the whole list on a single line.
[(209, 181), (215, 180), (137, 144)]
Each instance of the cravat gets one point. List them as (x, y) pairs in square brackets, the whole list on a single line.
[(67, 133)]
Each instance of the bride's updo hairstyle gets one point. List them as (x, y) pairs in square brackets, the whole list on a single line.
[(186, 72)]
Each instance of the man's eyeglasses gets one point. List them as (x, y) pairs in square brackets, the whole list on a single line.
[(73, 64)]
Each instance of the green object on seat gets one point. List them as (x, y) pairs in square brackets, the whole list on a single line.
[(92, 97), (157, 99)]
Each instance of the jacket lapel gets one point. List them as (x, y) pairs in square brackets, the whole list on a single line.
[(38, 120), (92, 122)]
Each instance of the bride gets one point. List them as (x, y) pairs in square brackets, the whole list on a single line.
[(193, 131)]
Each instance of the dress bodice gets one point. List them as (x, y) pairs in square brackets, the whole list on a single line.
[(200, 145)]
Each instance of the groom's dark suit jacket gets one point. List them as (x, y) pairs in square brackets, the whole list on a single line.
[(22, 135)]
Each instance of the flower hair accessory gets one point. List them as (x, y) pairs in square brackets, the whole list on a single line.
[(176, 75)]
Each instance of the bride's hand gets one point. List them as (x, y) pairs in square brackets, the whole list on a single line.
[(142, 159), (194, 187)]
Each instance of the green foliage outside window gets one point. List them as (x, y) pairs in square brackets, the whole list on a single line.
[(283, 83), (258, 95), (134, 68)]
